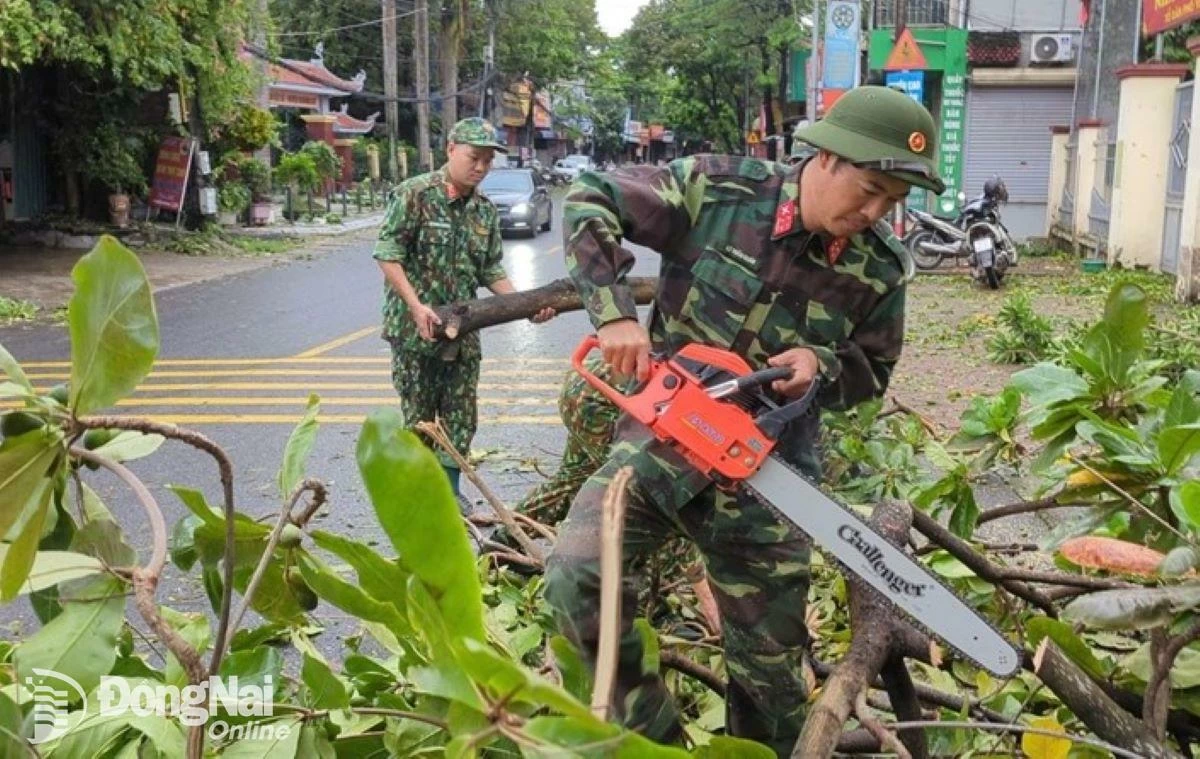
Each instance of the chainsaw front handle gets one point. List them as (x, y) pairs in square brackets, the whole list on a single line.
[(640, 411)]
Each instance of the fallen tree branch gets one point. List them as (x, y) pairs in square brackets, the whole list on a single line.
[(887, 740), (1011, 728), (681, 663), (900, 407), (977, 563), (437, 434), (1024, 507), (905, 704), (1092, 706), (875, 635), (225, 470), (467, 316), (612, 531), (1063, 578), (1164, 648)]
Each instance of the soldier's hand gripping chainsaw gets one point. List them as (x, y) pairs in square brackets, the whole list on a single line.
[(708, 405)]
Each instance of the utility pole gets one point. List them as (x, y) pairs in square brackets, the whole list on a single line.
[(421, 56), (901, 19), (391, 86), (900, 213)]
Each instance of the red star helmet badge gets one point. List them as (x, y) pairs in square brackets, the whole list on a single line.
[(836, 248), (785, 218), (916, 142)]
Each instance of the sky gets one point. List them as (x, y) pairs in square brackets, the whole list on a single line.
[(616, 15)]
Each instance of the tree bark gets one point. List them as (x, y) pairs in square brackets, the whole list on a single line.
[(1086, 700), (468, 316), (875, 636)]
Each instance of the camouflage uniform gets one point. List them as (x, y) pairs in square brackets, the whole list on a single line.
[(738, 271), (590, 419), (449, 247)]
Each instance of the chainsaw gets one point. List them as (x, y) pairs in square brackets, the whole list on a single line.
[(710, 407)]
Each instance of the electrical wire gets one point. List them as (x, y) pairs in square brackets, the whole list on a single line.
[(323, 32)]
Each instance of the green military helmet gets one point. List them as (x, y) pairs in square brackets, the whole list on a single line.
[(884, 129)]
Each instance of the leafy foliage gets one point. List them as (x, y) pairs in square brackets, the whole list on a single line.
[(1022, 336)]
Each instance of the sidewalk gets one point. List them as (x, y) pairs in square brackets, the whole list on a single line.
[(285, 229), (43, 275)]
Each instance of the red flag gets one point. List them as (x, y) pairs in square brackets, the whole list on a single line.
[(1084, 11)]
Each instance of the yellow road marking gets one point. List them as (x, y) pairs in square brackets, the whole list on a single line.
[(380, 372), (337, 360), (363, 400), (199, 419), (314, 386), (338, 342)]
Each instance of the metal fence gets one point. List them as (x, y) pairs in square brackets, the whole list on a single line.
[(1100, 210), (1066, 208)]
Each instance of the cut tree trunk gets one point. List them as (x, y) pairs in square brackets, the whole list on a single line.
[(467, 316)]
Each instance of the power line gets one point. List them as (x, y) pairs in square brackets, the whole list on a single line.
[(323, 32)]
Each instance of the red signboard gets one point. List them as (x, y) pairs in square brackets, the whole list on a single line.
[(1161, 15), (171, 173)]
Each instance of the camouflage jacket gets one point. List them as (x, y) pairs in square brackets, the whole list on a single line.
[(738, 269), (449, 248)]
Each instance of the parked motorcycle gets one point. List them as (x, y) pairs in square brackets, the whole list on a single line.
[(976, 234)]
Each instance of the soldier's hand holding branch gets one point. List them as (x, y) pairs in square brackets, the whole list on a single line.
[(426, 319)]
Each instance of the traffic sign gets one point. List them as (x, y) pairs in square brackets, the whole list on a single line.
[(906, 54)]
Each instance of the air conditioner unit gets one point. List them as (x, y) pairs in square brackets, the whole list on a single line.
[(1052, 48)]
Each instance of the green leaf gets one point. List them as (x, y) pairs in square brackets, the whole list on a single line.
[(183, 542), (349, 597), (1126, 316), (594, 739), (381, 578), (447, 681), (1185, 672), (965, 514), (25, 470), (299, 445), (1045, 385), (1132, 609), (113, 325), (81, 642), (1065, 638), (1185, 503), (11, 742), (1178, 561), (1177, 446), (282, 744), (417, 510), (52, 567), (725, 747), (502, 676), (1184, 406), (129, 445), (22, 552), (12, 369), (314, 743), (253, 666), (576, 676), (326, 691), (103, 540)]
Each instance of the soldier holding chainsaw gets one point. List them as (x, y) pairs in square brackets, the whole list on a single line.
[(787, 266)]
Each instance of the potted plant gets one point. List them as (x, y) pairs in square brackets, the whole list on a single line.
[(233, 198), (256, 175), (112, 161)]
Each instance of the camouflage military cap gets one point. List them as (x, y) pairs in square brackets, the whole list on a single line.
[(884, 129), (478, 132)]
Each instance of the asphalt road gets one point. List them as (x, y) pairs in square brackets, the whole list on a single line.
[(241, 354)]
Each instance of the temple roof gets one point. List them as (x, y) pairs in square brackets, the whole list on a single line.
[(308, 75), (347, 124)]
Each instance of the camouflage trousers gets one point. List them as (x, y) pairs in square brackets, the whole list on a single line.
[(432, 387), (590, 419), (758, 569)]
